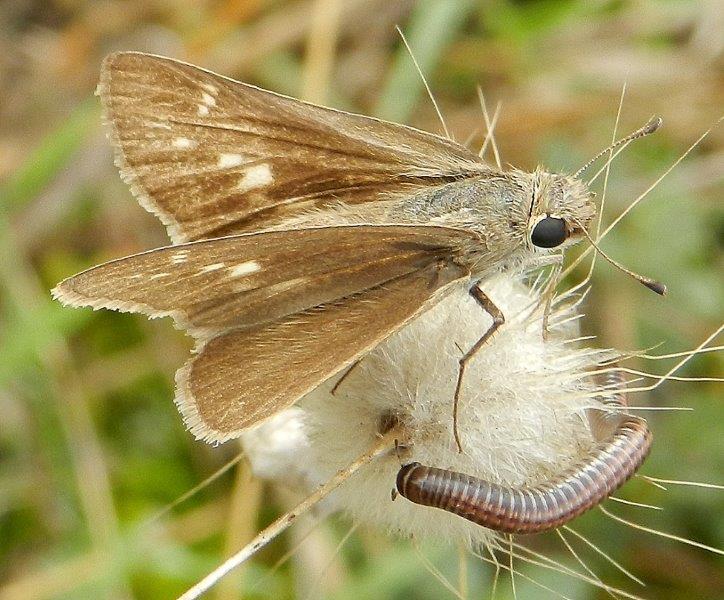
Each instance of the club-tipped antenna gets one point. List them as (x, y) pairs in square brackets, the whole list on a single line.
[(653, 124), (650, 283)]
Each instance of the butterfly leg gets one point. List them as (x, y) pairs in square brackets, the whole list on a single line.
[(352, 367), (548, 294), (498, 319)]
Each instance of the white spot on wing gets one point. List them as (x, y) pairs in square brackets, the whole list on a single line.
[(245, 268), (183, 143), (212, 267), (208, 99), (207, 102), (159, 275), (179, 257), (255, 177), (212, 89), (227, 160), (283, 286)]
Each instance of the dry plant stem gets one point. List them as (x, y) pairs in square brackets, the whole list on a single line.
[(24, 293), (547, 563), (580, 561), (243, 510), (185, 496), (424, 81), (700, 484), (435, 572), (490, 126), (384, 444), (321, 43), (463, 570), (602, 206), (662, 534), (671, 371), (512, 570)]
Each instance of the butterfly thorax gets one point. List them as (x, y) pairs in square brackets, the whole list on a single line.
[(502, 209)]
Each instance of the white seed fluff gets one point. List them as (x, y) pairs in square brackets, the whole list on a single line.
[(521, 420)]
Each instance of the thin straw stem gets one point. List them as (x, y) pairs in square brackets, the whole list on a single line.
[(382, 445)]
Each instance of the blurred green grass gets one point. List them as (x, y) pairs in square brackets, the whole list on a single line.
[(91, 445)]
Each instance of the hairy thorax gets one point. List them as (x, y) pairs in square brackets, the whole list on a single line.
[(493, 207)]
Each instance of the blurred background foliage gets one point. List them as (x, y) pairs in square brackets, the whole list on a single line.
[(91, 445)]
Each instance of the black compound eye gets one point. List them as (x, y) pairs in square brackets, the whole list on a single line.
[(549, 233)]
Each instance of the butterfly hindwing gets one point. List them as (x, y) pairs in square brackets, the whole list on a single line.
[(242, 377)]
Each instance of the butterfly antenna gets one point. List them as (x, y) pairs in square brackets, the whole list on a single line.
[(424, 82), (652, 284), (653, 124)]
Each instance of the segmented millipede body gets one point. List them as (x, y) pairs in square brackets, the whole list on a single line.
[(623, 442)]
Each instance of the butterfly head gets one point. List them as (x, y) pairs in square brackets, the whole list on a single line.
[(561, 212), (561, 208)]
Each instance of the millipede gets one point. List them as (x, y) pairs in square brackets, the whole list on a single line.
[(623, 442)]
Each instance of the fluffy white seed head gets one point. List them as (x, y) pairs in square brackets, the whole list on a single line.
[(521, 416)]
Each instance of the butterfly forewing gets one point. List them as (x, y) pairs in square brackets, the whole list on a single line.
[(211, 156), (242, 280), (244, 376)]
